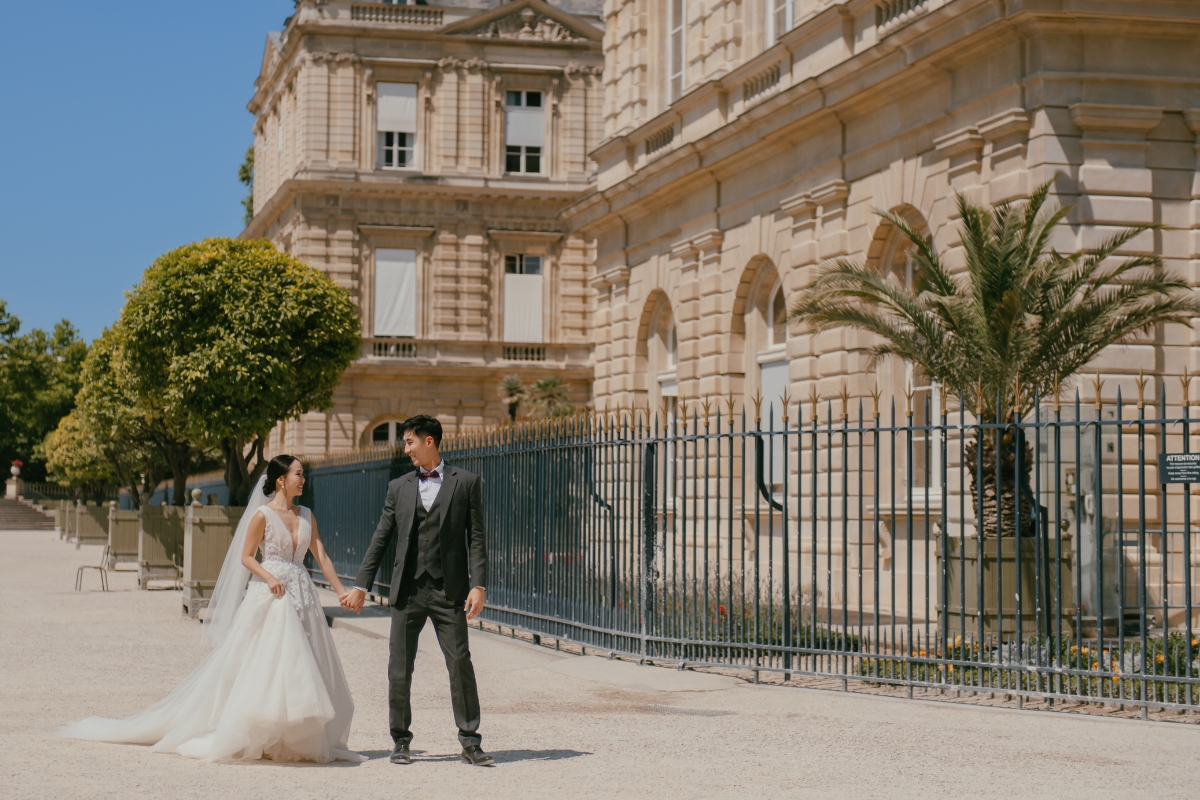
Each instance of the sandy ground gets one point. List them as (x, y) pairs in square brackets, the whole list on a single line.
[(558, 725)]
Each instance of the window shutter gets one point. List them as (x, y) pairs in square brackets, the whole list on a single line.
[(523, 308), (395, 292), (396, 107), (524, 126)]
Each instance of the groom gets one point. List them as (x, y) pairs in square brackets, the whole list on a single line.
[(435, 516)]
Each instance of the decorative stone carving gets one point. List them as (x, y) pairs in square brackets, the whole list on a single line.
[(528, 24), (576, 71), (475, 64), (450, 63)]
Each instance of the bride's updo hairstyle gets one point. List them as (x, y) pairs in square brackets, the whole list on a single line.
[(275, 470)]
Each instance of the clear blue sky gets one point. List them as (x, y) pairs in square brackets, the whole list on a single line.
[(122, 125)]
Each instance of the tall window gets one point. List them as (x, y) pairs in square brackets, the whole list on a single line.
[(677, 47), (778, 319), (395, 125), (395, 292), (523, 298), (779, 19), (524, 132), (773, 384)]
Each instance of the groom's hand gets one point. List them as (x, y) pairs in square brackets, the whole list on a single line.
[(353, 600), (475, 602)]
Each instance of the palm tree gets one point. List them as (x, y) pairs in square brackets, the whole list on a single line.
[(1020, 320), (513, 392), (549, 398)]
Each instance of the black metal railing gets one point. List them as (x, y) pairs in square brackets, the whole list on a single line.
[(845, 543)]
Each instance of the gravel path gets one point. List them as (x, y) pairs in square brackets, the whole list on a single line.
[(559, 726)]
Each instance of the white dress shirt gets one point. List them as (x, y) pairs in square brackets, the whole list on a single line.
[(429, 488)]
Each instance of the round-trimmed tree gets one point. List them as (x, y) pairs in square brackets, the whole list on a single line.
[(234, 336)]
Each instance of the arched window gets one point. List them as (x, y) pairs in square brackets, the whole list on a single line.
[(897, 256), (383, 434), (778, 319)]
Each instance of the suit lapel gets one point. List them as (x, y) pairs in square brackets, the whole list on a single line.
[(437, 512), (406, 508)]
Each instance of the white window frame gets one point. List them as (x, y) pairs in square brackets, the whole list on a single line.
[(525, 153), (402, 145), (775, 10), (676, 47), (391, 140)]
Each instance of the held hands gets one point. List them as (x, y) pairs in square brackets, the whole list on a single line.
[(352, 600), (475, 602)]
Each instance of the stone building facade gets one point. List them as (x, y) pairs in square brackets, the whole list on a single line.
[(746, 142), (743, 148), (421, 155)]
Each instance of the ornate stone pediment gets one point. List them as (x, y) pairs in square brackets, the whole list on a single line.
[(532, 20)]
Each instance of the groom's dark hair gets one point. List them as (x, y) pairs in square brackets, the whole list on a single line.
[(422, 425)]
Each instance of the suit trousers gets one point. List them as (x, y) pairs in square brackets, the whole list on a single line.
[(423, 599)]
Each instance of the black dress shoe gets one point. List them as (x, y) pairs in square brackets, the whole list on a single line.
[(474, 755), (401, 755)]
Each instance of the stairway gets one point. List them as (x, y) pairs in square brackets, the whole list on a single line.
[(15, 516)]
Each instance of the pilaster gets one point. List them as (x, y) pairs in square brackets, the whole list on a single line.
[(1115, 185)]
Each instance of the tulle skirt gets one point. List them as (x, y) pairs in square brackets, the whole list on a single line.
[(275, 687)]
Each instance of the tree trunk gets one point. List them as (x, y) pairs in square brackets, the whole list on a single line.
[(240, 476), (999, 512), (179, 460)]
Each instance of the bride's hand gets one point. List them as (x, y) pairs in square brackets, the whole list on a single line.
[(276, 587)]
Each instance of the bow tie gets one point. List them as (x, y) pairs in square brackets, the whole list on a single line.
[(421, 475)]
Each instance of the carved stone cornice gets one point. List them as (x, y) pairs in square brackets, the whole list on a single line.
[(960, 142), (1116, 118), (616, 276)]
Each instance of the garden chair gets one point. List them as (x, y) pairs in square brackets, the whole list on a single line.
[(101, 568)]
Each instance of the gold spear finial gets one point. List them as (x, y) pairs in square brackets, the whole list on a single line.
[(1099, 384), (757, 399), (1141, 384), (1185, 381), (786, 399), (814, 399), (845, 402), (875, 394)]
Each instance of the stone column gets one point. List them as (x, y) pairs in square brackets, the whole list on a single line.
[(615, 345), (687, 320), (711, 351), (1115, 185)]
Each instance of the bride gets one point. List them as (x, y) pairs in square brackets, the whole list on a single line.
[(273, 687)]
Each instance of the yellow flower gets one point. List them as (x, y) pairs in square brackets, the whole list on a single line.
[(1159, 659), (1084, 651)]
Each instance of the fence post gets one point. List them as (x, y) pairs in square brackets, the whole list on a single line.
[(649, 535)]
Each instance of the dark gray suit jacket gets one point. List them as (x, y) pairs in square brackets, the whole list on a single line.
[(458, 510)]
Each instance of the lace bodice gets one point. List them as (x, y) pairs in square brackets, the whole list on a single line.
[(277, 539)]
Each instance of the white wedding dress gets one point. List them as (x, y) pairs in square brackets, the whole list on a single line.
[(274, 685)]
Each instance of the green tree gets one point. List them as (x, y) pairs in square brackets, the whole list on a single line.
[(513, 392), (232, 336), (1022, 319), (39, 376), (549, 398), (129, 428), (73, 458), (246, 176)]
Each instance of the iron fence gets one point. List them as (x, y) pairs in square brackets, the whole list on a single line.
[(918, 546)]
